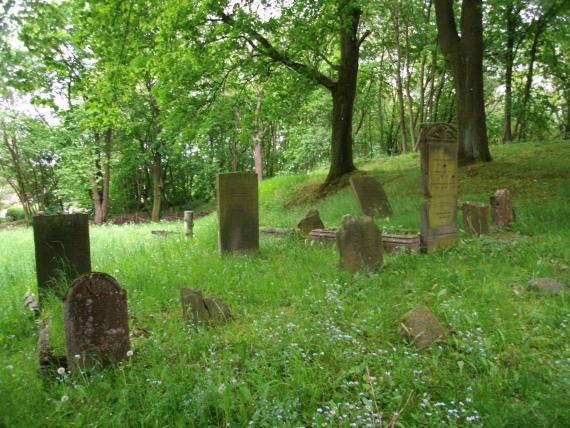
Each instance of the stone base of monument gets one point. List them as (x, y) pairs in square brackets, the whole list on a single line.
[(202, 310), (322, 236), (276, 230), (396, 242)]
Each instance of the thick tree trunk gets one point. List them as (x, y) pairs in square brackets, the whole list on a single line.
[(567, 126), (101, 182), (509, 59), (399, 85), (156, 186), (464, 56)]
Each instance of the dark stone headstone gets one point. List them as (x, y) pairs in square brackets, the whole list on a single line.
[(217, 309), (439, 146), (422, 327), (238, 211), (96, 321), (193, 306), (311, 221), (62, 249), (359, 243), (502, 209), (371, 196), (476, 218), (546, 286)]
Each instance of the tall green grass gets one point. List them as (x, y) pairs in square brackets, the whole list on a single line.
[(312, 345)]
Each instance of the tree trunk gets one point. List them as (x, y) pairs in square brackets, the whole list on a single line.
[(156, 186), (258, 138), (464, 56), (567, 126), (409, 88), (509, 59), (101, 181), (399, 86)]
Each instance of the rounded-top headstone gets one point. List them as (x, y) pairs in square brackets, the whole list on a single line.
[(96, 321), (359, 243), (310, 222)]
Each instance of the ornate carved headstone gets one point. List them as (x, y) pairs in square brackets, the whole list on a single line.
[(439, 145), (502, 208), (96, 321), (359, 243), (311, 221), (238, 211), (371, 196), (476, 218), (422, 327), (62, 248)]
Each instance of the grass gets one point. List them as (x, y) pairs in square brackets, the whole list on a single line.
[(312, 345)]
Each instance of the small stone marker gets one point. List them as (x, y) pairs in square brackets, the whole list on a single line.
[(371, 196), (546, 286), (422, 326), (439, 146), (502, 209), (96, 321), (395, 242), (359, 243), (311, 221), (238, 211), (188, 224), (192, 299), (323, 236), (203, 310), (62, 248), (476, 218)]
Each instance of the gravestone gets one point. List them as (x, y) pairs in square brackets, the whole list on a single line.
[(439, 145), (476, 218), (61, 247), (422, 327), (502, 208), (359, 243), (396, 242), (96, 321), (238, 211), (193, 306), (311, 221), (188, 224), (217, 309), (371, 196)]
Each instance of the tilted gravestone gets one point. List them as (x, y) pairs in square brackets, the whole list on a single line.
[(193, 306), (62, 249), (371, 196), (238, 211), (359, 243), (439, 145), (502, 208), (476, 218), (96, 321), (311, 221), (422, 327)]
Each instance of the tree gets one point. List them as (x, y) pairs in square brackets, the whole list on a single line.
[(464, 56)]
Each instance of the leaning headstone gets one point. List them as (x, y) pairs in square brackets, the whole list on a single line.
[(476, 218), (439, 146), (217, 309), (311, 221), (422, 327), (96, 321), (371, 196), (502, 209), (546, 286), (61, 247), (238, 211), (359, 243), (193, 306), (188, 224)]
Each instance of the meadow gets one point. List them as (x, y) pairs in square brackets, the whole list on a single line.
[(312, 345)]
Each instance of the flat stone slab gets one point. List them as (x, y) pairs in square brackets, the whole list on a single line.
[(323, 236), (546, 286), (397, 242), (422, 327)]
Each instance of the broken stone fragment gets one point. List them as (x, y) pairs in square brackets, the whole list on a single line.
[(217, 309), (546, 286), (311, 221), (193, 306), (422, 327)]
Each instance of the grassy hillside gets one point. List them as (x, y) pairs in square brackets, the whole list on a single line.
[(312, 345)]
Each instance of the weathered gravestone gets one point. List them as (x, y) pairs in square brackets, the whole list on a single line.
[(203, 310), (62, 248), (439, 145), (476, 218), (311, 221), (96, 321), (371, 196), (359, 243), (422, 327), (394, 242), (188, 224), (502, 208), (217, 309), (546, 286), (238, 211)]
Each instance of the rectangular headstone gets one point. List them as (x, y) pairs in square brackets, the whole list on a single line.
[(62, 248), (439, 147), (359, 243), (476, 218), (371, 196), (238, 211)]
